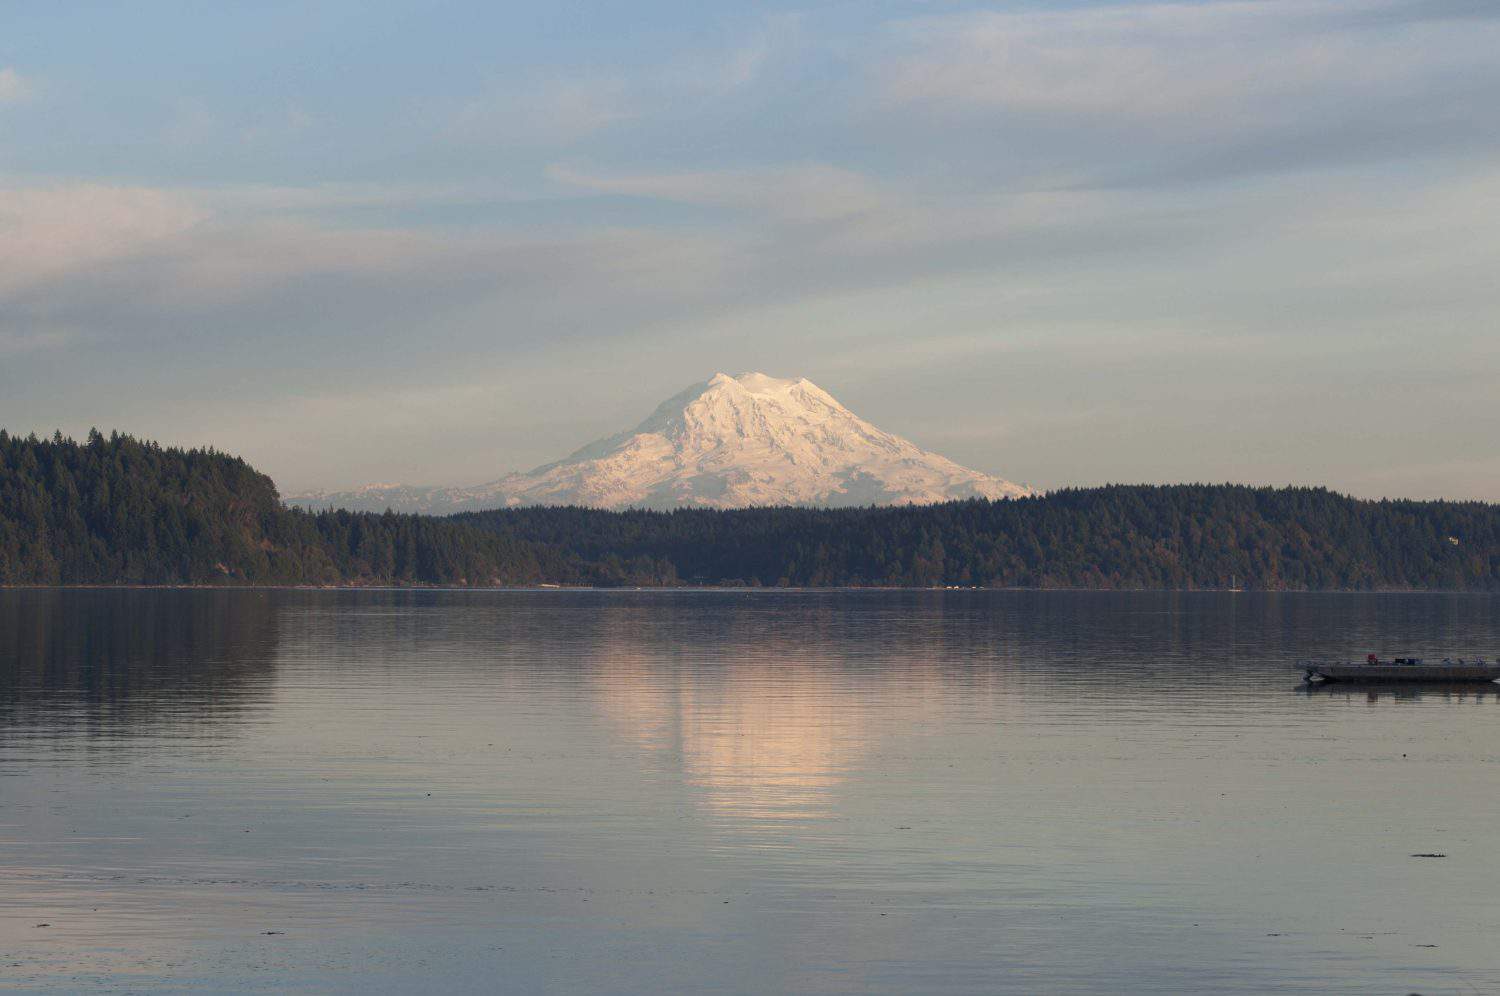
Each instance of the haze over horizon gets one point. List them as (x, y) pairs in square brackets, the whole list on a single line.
[(1068, 243)]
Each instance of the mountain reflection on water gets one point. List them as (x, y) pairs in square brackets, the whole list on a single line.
[(824, 791)]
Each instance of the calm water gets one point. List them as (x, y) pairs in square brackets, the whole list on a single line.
[(740, 792)]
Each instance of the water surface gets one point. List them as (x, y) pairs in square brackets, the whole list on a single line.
[(898, 792)]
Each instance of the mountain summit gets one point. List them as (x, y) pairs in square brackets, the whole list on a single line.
[(729, 442)]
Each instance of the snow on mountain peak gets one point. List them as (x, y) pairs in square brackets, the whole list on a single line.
[(728, 442)]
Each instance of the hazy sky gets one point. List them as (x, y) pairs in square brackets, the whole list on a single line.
[(1064, 242)]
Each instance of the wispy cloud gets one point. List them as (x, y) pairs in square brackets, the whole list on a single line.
[(195, 124), (549, 112), (121, 263), (1411, 11), (16, 342), (721, 70), (13, 86), (52, 231), (806, 192), (1141, 62), (563, 107), (1231, 85)]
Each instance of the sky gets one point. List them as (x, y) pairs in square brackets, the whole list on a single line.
[(1066, 243)]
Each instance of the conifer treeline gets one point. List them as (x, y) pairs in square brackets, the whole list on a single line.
[(114, 510), (1177, 536)]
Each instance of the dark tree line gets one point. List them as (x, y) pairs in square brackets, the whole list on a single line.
[(1176, 536), (115, 510)]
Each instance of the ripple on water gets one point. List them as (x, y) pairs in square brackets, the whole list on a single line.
[(808, 791)]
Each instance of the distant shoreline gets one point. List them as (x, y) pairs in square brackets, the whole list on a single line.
[(89, 514), (738, 589)]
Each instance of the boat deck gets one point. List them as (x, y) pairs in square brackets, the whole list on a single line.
[(1355, 671)]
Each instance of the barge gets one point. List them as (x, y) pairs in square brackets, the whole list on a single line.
[(1403, 669)]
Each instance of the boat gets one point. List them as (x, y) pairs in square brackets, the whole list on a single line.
[(1403, 669)]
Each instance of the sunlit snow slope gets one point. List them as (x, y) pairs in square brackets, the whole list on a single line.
[(728, 443)]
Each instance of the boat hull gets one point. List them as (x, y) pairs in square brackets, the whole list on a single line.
[(1407, 672)]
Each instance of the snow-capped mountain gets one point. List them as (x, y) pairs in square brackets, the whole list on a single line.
[(728, 443)]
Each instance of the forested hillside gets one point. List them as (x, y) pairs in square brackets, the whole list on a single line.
[(114, 510), (1178, 536)]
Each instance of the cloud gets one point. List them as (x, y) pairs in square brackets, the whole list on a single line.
[(277, 126), (1214, 87), (135, 264), (1410, 11), (799, 193), (717, 73), (567, 106), (13, 86), (801, 224), (50, 232), (195, 124), (104, 263), (549, 112), (15, 342), (1142, 62)]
